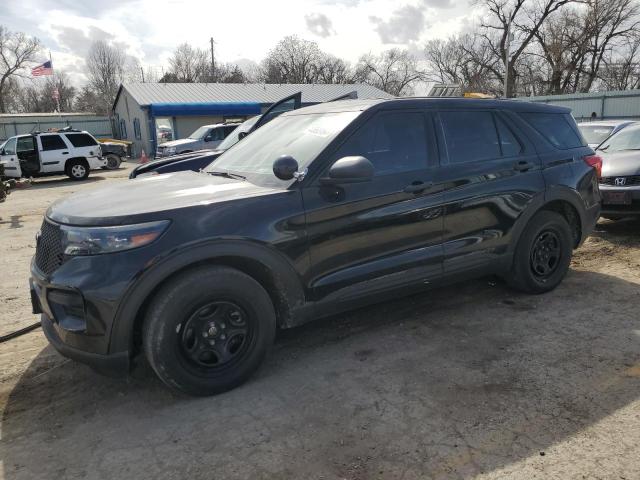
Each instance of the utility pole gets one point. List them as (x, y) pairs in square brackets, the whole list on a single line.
[(213, 62), (507, 54)]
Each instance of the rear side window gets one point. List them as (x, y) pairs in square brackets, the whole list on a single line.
[(509, 144), (52, 142), (555, 127), (392, 142), (470, 136), (81, 139)]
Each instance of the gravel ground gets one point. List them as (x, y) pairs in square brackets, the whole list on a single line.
[(472, 381)]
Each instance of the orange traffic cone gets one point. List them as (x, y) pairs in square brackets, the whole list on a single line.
[(143, 157)]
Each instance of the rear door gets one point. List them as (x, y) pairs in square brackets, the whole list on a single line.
[(84, 145), (385, 233), (491, 173), (53, 152)]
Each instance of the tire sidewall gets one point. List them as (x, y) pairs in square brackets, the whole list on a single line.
[(524, 278), (115, 158), (173, 306)]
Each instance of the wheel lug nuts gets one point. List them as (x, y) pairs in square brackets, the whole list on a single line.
[(205, 334), (223, 336), (222, 325), (212, 342)]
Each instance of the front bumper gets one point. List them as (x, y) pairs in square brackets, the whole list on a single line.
[(111, 364), (631, 192)]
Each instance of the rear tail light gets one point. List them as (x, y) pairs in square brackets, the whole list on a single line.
[(594, 161)]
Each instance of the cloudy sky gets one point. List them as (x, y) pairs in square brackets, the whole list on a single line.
[(243, 30)]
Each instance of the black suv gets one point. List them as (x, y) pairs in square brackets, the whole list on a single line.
[(323, 209)]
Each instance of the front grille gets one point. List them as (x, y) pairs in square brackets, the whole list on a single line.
[(49, 253), (629, 181)]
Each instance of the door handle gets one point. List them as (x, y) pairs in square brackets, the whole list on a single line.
[(417, 187), (522, 166), (65, 153)]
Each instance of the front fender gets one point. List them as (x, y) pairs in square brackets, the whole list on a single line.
[(288, 284)]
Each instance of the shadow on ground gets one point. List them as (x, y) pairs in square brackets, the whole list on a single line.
[(454, 382), (42, 183)]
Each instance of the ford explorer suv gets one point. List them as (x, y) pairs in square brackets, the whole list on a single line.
[(70, 152), (207, 136), (322, 210)]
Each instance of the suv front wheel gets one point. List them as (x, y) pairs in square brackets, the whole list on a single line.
[(543, 254), (208, 330)]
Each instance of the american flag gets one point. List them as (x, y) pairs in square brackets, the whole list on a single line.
[(45, 69)]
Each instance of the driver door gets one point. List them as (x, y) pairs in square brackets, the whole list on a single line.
[(9, 158), (367, 238), (292, 102)]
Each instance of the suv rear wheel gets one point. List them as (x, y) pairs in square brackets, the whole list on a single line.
[(543, 254), (113, 161), (77, 169), (208, 330)]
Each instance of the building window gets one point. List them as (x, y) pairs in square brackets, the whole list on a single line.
[(123, 129), (136, 129)]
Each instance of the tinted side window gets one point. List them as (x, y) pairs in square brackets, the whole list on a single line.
[(509, 144), (81, 140), (393, 142), (554, 127), (470, 136), (52, 142)]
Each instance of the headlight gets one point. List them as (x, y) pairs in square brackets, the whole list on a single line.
[(96, 240), (170, 150)]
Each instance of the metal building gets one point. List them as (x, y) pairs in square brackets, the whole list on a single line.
[(148, 113), (619, 104), (20, 123)]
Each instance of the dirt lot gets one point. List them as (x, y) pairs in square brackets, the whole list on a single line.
[(472, 381)]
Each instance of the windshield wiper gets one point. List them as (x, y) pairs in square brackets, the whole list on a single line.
[(227, 175)]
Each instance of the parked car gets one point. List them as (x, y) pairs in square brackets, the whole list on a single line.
[(201, 158), (70, 152), (322, 210), (620, 182), (207, 136), (597, 132)]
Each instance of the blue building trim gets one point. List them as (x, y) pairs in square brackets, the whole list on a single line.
[(213, 108)]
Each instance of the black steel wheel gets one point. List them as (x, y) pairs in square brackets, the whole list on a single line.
[(542, 256), (215, 335), (208, 330), (113, 161)]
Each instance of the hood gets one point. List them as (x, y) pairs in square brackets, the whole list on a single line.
[(177, 143), (150, 198), (620, 164)]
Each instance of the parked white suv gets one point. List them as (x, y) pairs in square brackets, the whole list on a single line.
[(70, 152)]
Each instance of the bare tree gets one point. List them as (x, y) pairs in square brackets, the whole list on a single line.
[(607, 21), (526, 17), (189, 64), (17, 50), (332, 69), (621, 70), (394, 71), (106, 68), (292, 60)]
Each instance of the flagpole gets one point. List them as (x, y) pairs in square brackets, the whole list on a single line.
[(55, 86)]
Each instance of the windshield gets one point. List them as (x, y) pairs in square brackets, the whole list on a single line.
[(301, 136), (627, 139), (234, 136), (200, 133), (595, 133)]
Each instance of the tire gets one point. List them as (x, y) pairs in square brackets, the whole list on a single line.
[(113, 161), (208, 330), (77, 169), (543, 254)]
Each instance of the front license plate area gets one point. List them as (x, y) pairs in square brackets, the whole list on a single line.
[(616, 198)]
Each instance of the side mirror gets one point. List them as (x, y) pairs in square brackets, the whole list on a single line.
[(285, 167), (349, 170), (208, 138)]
